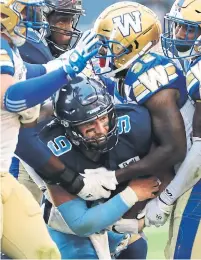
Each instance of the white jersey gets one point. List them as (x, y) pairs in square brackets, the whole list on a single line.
[(12, 64)]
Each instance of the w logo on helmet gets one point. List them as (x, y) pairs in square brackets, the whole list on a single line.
[(128, 21)]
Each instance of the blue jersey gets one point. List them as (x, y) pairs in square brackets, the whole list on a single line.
[(35, 53), (147, 76), (193, 79), (135, 139), (10, 61)]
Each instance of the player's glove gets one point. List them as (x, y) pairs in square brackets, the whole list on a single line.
[(83, 52), (107, 178), (125, 226), (157, 212), (93, 189)]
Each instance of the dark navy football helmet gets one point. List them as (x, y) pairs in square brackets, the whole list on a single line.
[(58, 11), (81, 101)]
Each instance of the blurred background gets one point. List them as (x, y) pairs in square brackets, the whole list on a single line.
[(94, 7)]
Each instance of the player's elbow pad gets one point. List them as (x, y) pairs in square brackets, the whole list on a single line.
[(66, 178)]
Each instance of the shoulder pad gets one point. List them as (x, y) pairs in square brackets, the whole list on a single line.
[(35, 53), (193, 80), (150, 74), (6, 58)]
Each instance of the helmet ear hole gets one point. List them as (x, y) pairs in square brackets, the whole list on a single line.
[(3, 16), (136, 44)]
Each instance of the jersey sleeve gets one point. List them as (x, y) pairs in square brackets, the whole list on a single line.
[(6, 58), (135, 122), (53, 135), (151, 74), (193, 80)]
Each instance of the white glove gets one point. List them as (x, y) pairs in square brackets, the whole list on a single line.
[(157, 212), (93, 189), (29, 115), (107, 178), (125, 226)]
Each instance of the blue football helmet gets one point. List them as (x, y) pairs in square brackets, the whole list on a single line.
[(81, 101), (19, 16), (57, 12), (182, 30)]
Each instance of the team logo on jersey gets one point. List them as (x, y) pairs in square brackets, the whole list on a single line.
[(152, 79), (131, 160), (128, 21)]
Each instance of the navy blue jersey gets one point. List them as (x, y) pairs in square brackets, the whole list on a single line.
[(135, 138), (35, 53)]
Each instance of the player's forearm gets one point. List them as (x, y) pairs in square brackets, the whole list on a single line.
[(197, 120), (152, 164), (34, 70), (186, 177), (26, 94), (86, 221), (30, 148)]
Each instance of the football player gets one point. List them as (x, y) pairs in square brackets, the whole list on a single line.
[(62, 35), (182, 39), (18, 94), (89, 132), (129, 33)]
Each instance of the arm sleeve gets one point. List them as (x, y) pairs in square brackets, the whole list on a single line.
[(34, 70), (29, 93), (29, 138), (85, 221), (38, 156), (187, 176)]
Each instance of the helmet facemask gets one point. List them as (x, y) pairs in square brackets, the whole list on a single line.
[(128, 30), (114, 56), (60, 14), (30, 18), (175, 47), (102, 143)]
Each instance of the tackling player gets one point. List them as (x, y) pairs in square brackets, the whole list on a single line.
[(129, 32), (62, 36)]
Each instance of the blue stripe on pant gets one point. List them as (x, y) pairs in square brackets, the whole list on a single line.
[(189, 224)]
